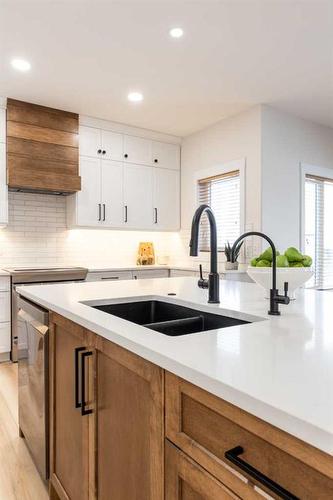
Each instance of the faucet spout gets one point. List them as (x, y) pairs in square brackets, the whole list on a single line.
[(213, 279), (275, 298)]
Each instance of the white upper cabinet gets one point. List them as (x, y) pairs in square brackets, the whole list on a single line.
[(98, 143), (166, 199), (2, 125), (138, 196), (112, 196), (137, 150), (88, 201), (166, 155), (90, 142), (112, 145)]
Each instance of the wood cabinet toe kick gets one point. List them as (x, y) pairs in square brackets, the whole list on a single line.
[(123, 428)]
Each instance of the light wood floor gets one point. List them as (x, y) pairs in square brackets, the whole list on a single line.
[(19, 479)]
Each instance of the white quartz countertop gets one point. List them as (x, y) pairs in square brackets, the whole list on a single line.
[(100, 269), (279, 368)]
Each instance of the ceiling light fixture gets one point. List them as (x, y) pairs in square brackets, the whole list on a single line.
[(21, 64), (135, 97), (176, 32)]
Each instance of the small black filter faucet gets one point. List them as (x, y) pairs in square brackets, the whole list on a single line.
[(275, 298), (212, 283)]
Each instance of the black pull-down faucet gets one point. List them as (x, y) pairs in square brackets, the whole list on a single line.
[(275, 298), (213, 279)]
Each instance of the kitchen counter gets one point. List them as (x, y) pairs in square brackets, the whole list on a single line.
[(160, 266), (279, 368)]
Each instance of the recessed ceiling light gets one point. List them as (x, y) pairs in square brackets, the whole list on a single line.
[(21, 64), (176, 32), (135, 97)]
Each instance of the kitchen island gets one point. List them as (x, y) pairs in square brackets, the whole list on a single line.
[(267, 382)]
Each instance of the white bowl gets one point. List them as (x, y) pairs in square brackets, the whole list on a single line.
[(295, 277)]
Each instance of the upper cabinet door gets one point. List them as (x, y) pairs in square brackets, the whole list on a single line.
[(2, 125), (89, 205), (166, 155), (90, 142), (112, 145), (166, 199), (138, 196), (112, 193), (137, 150)]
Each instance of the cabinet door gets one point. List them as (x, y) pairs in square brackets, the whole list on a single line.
[(112, 193), (166, 155), (138, 196), (186, 480), (130, 425), (112, 145), (137, 150), (166, 199), (90, 142), (89, 204), (69, 428)]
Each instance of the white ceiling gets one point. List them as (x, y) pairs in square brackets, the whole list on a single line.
[(87, 55)]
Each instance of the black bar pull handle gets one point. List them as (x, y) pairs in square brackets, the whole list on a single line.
[(125, 213), (155, 220), (77, 351), (99, 211), (84, 411), (233, 456), (103, 212)]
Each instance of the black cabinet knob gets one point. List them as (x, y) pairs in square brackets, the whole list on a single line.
[(99, 151), (125, 155), (156, 160), (103, 152)]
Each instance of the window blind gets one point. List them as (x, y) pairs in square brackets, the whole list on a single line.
[(319, 229), (222, 194)]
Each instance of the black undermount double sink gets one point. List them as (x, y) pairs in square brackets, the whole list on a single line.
[(167, 318)]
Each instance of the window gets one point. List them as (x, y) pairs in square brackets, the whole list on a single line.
[(318, 229), (222, 194)]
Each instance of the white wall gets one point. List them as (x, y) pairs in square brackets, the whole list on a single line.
[(287, 141), (230, 139)]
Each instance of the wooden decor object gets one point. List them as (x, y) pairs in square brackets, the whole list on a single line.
[(42, 148)]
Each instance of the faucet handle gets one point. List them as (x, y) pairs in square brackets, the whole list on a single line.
[(286, 286), (200, 271)]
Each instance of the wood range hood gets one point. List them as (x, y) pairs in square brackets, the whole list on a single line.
[(42, 149)]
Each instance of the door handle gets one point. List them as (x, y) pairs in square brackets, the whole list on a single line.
[(155, 211), (126, 213), (233, 456), (103, 211), (99, 212), (77, 351), (84, 411)]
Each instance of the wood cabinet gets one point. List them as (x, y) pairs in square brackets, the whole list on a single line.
[(42, 148), (116, 448), (166, 155), (217, 434), (70, 445), (186, 480)]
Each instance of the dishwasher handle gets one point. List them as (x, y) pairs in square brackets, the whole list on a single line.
[(37, 325)]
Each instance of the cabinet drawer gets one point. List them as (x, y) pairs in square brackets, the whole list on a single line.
[(206, 427), (151, 273), (4, 307), (4, 337), (4, 283), (109, 276), (186, 480)]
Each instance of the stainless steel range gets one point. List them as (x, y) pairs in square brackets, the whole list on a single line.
[(36, 275)]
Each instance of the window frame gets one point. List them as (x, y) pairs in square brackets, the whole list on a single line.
[(307, 169), (221, 169)]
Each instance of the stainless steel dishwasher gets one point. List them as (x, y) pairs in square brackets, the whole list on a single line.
[(33, 382)]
